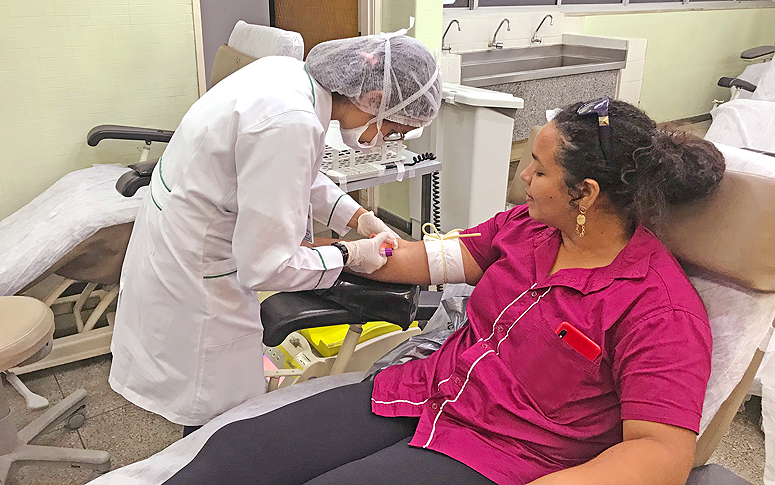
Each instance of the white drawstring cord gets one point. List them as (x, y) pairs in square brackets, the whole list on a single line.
[(437, 236)]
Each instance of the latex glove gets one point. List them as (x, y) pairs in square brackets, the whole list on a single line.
[(369, 224), (364, 254)]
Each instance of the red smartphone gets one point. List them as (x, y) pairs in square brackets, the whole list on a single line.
[(573, 337)]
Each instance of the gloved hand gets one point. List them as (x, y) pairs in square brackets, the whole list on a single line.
[(369, 224), (364, 254)]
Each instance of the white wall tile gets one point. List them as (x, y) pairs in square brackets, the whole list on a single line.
[(524, 27), (573, 25), (633, 71), (482, 31), (637, 49), (630, 92)]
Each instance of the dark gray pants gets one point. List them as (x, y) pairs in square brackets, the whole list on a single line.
[(331, 437)]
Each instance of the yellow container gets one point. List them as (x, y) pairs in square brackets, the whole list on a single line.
[(328, 340)]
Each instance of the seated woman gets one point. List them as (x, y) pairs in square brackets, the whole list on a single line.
[(587, 351)]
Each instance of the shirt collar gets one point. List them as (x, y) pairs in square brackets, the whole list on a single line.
[(323, 103), (632, 262)]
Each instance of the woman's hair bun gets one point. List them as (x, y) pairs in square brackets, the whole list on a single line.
[(649, 169), (693, 167)]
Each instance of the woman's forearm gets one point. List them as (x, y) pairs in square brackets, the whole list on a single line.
[(641, 461)]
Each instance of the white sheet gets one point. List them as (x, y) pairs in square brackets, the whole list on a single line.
[(744, 123), (765, 84), (39, 234), (161, 466), (739, 319), (261, 41), (753, 74)]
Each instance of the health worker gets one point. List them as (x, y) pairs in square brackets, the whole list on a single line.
[(230, 203)]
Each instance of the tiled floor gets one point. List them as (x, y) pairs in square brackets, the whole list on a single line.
[(112, 424), (131, 434)]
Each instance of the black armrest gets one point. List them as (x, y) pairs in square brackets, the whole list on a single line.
[(760, 51), (769, 154), (144, 168), (374, 300), (284, 313), (351, 300), (728, 82), (117, 132), (140, 176)]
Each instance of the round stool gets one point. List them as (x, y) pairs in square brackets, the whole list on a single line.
[(26, 333), (26, 326)]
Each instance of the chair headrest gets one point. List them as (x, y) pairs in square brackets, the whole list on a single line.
[(732, 232), (250, 42), (261, 41), (227, 61)]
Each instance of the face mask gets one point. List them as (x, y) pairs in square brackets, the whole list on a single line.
[(351, 138)]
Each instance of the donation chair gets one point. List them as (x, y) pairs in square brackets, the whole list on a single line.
[(744, 85), (725, 243), (748, 119), (87, 247), (26, 335)]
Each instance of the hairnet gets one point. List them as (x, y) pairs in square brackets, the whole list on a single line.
[(400, 67)]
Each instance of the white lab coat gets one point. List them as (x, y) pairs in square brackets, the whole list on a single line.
[(224, 217)]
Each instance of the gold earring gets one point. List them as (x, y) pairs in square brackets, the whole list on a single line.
[(581, 219)]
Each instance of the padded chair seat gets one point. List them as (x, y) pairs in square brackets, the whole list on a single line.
[(26, 325), (714, 475)]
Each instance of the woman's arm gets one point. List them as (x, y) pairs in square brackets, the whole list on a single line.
[(651, 453), (409, 264)]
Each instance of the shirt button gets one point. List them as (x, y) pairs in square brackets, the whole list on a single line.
[(457, 380), (533, 294), (435, 405), (484, 346), (500, 328)]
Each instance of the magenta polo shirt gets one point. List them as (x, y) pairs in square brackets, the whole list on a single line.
[(509, 398)]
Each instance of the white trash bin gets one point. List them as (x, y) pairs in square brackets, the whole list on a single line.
[(472, 139)]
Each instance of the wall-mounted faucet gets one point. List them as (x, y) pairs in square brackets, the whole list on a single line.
[(448, 48), (535, 39), (493, 42)]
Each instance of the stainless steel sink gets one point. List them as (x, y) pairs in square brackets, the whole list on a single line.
[(485, 68)]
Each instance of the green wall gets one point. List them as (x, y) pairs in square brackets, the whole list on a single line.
[(688, 52)]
